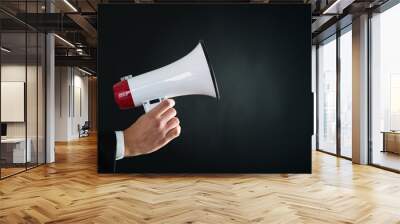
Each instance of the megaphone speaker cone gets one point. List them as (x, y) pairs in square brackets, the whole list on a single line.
[(214, 79)]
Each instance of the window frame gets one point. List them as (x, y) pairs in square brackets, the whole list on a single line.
[(380, 9), (334, 37)]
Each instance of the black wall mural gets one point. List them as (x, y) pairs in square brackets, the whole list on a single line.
[(261, 56)]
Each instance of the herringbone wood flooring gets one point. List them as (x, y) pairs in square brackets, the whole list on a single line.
[(71, 191)]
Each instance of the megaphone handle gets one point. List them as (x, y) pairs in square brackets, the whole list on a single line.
[(150, 104)]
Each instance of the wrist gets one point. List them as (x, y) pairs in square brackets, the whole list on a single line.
[(130, 148)]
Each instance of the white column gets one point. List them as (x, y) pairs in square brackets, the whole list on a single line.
[(62, 103), (50, 110), (360, 90), (50, 92)]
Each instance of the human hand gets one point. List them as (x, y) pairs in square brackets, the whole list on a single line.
[(152, 130)]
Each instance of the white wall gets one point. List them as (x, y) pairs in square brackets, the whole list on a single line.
[(16, 72), (71, 94), (61, 103), (33, 127), (80, 98)]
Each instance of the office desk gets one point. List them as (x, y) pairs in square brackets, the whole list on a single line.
[(391, 141), (18, 149)]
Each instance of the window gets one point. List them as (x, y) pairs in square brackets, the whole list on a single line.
[(327, 96), (385, 88), (346, 93)]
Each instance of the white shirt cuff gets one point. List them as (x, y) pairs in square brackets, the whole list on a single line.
[(120, 145)]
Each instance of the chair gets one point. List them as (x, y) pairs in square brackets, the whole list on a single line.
[(84, 130)]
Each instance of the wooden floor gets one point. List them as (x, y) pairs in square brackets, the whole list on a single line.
[(71, 191), (5, 172), (387, 159)]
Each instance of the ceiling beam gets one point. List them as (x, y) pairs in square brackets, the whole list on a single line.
[(84, 24), (82, 61)]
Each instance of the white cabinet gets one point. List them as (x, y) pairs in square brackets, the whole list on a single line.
[(19, 155)]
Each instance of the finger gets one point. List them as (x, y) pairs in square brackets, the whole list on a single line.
[(172, 123), (167, 115), (162, 107), (173, 133)]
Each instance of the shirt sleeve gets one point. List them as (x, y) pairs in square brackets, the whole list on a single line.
[(120, 152)]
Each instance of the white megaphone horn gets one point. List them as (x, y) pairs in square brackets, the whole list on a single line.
[(190, 75)]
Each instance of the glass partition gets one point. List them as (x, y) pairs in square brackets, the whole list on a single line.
[(385, 89), (327, 95), (13, 95), (41, 97), (31, 100), (22, 77), (346, 93)]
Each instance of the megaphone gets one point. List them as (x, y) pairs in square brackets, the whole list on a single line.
[(190, 75)]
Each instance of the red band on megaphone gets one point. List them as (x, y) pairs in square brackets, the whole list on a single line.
[(123, 96)]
